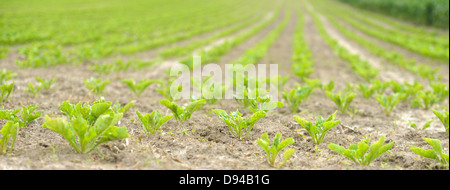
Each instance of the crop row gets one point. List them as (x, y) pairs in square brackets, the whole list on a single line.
[(358, 65), (421, 46), (87, 126), (429, 12), (208, 56), (52, 52), (423, 70), (395, 28)]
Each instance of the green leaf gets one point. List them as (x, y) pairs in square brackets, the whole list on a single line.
[(61, 126), (9, 134), (425, 153), (114, 133), (100, 108), (342, 151)]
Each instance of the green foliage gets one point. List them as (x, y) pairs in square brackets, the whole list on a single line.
[(92, 39), (4, 51), (436, 153), (360, 66), (88, 126), (209, 90), (295, 97), (26, 114), (264, 104), (303, 64), (276, 147), (425, 126), (123, 110), (138, 88), (182, 113), (328, 87), (44, 85), (6, 90), (343, 101), (358, 153), (6, 75), (428, 12), (319, 130), (239, 126), (398, 37), (95, 85), (441, 90), (215, 53), (443, 117), (409, 90), (376, 87), (121, 65), (425, 99), (260, 50), (152, 122), (164, 88), (389, 102), (9, 134)]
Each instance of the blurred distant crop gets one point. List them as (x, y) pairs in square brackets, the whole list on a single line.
[(429, 12)]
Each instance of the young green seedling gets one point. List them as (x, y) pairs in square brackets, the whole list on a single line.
[(9, 134), (343, 101), (264, 104), (123, 110), (44, 85), (328, 87), (425, 99), (209, 89), (319, 130), (33, 89), (441, 90), (276, 147), (6, 75), (96, 86), (151, 123), (9, 115), (376, 87), (409, 90), (164, 88), (295, 97), (183, 113), (239, 127), (138, 88), (425, 126), (358, 153), (389, 102), (443, 117), (6, 90), (436, 153), (245, 101), (88, 126), (28, 116)]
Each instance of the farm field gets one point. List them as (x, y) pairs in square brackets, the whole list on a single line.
[(375, 75)]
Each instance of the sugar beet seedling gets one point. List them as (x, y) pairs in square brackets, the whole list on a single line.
[(239, 127), (358, 153), (436, 153), (319, 130), (88, 126), (276, 147)]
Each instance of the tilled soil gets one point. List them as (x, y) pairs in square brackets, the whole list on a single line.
[(205, 142)]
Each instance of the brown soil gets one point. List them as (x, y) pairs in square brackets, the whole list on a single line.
[(206, 142)]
